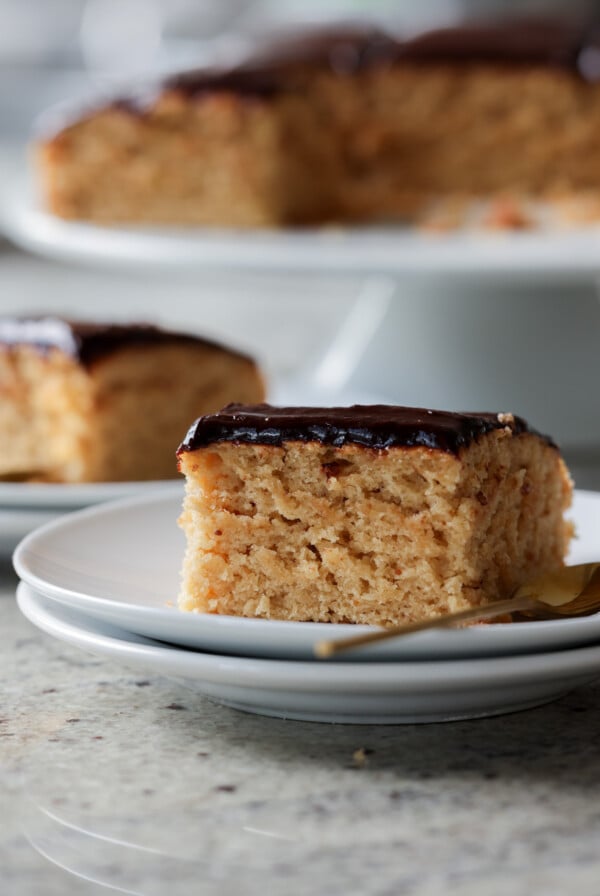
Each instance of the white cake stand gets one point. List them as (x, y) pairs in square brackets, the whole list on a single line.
[(467, 320)]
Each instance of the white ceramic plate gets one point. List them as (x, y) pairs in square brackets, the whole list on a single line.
[(120, 563), (43, 495), (393, 249), (360, 693)]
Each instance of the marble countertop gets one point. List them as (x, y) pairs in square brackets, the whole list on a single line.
[(112, 780)]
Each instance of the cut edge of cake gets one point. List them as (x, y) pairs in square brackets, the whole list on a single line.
[(374, 515)]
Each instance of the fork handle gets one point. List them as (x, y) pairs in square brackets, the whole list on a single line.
[(325, 649)]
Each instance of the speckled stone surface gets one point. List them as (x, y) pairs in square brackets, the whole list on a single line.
[(142, 786)]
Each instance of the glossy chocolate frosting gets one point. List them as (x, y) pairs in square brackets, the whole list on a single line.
[(514, 42), (282, 65), (371, 426), (87, 341), (350, 50)]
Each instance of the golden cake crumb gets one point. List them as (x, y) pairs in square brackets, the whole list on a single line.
[(302, 530)]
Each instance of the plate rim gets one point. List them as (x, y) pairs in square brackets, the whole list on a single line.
[(280, 675), (78, 600), (52, 495)]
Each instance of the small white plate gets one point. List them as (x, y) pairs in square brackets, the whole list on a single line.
[(41, 495), (358, 693), (121, 563)]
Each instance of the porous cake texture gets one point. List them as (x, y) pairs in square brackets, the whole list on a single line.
[(82, 402), (366, 514), (348, 125)]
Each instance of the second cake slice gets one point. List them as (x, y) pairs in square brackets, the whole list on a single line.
[(95, 402)]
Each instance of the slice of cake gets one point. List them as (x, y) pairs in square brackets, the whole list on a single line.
[(366, 514), (347, 125), (82, 402)]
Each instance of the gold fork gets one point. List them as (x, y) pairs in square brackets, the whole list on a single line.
[(572, 591)]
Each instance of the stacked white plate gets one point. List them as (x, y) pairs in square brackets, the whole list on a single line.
[(24, 506), (106, 579)]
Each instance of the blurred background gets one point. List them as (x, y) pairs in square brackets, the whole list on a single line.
[(57, 50)]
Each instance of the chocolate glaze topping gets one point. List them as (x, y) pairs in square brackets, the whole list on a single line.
[(568, 43), (372, 426), (279, 68), (515, 42), (87, 341), (246, 81), (350, 50)]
